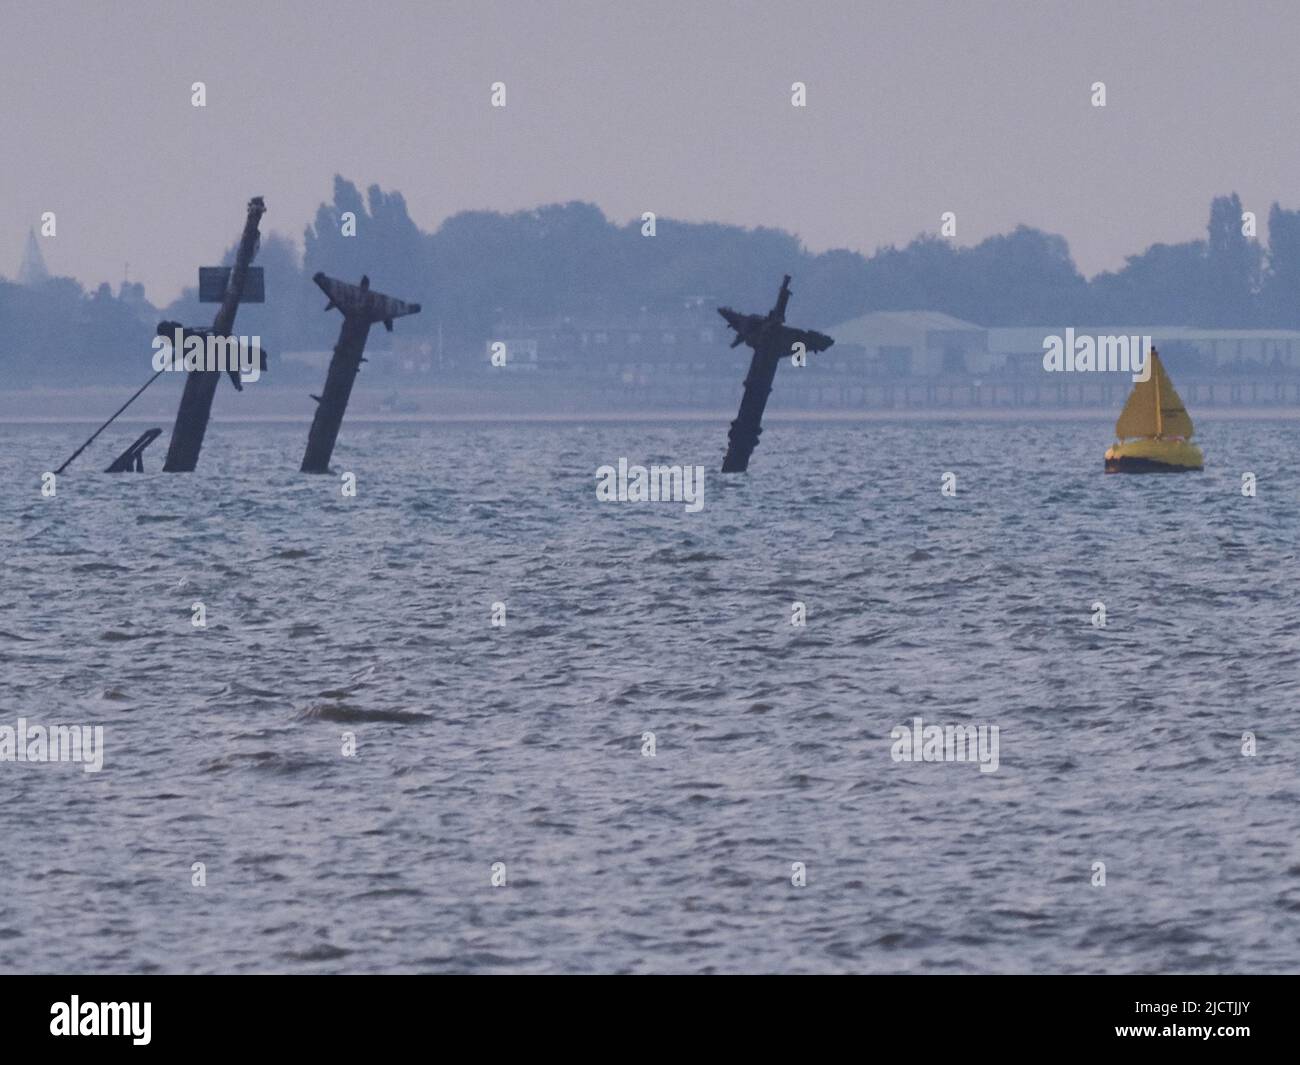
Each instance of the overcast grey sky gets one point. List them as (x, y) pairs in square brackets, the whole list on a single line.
[(682, 108)]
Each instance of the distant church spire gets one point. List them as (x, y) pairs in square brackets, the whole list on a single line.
[(33, 270)]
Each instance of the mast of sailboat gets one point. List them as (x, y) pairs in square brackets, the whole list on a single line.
[(1155, 372)]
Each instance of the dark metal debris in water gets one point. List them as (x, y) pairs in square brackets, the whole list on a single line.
[(112, 418), (132, 459)]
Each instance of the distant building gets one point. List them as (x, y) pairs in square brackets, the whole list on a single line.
[(912, 344), (32, 271), (685, 336)]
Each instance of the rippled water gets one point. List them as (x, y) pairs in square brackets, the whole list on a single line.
[(523, 744)]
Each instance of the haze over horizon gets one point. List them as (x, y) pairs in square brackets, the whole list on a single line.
[(913, 110)]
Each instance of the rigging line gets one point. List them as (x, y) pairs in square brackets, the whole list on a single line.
[(110, 420)]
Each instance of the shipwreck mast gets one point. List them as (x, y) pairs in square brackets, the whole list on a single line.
[(201, 385), (771, 340), (361, 308)]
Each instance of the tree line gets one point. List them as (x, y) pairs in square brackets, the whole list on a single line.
[(480, 268)]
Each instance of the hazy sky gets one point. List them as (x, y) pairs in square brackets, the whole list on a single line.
[(682, 108)]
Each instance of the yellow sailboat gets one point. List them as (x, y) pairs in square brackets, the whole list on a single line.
[(1154, 430)]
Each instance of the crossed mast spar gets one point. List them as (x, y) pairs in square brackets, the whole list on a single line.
[(361, 308), (771, 340)]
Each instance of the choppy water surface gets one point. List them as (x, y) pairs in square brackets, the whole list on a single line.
[(523, 744)]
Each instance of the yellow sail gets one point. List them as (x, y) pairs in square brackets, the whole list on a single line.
[(1154, 408)]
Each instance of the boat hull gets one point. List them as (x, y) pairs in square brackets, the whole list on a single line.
[(1154, 456)]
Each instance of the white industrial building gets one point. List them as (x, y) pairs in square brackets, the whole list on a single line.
[(913, 344)]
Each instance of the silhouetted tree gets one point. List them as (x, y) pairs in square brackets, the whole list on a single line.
[(480, 267), (1280, 289), (1232, 267), (1163, 285)]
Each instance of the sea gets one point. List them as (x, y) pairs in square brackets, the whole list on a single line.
[(446, 710)]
